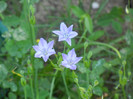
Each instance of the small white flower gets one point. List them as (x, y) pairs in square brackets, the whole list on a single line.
[(95, 5)]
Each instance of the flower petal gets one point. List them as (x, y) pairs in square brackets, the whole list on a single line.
[(73, 34), (73, 67), (45, 58), (63, 27), (70, 28), (68, 40), (51, 52), (64, 63), (72, 54), (36, 48), (38, 54), (77, 59), (42, 43), (50, 44), (61, 38), (57, 32), (65, 57)]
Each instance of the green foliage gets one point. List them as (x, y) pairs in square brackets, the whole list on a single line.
[(3, 6), (88, 23), (78, 12), (97, 91), (117, 26), (11, 20), (12, 96), (104, 42), (20, 48), (3, 73), (96, 35), (11, 85)]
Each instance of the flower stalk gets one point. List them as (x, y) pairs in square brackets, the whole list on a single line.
[(52, 84), (64, 80)]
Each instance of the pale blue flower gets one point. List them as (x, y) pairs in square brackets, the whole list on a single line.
[(65, 34), (70, 60), (44, 49)]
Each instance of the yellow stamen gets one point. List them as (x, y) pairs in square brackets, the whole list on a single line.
[(37, 40)]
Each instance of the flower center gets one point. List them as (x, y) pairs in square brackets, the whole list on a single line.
[(70, 62), (44, 51), (66, 35)]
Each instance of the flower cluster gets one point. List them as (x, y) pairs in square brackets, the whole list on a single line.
[(44, 49)]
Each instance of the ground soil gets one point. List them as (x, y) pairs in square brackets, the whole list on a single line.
[(55, 8), (47, 8)]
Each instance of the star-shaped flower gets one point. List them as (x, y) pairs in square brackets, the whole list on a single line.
[(65, 34), (44, 49), (70, 60)]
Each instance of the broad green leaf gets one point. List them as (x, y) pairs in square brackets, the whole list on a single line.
[(3, 6), (3, 72), (88, 23), (11, 95), (17, 48), (98, 66), (105, 20), (116, 12), (11, 21), (97, 91), (78, 12), (117, 26), (82, 68), (6, 84), (11, 85), (19, 34), (96, 35)]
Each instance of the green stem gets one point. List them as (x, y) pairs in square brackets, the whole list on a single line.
[(26, 10), (52, 85), (25, 93), (63, 76), (124, 94), (31, 85), (82, 36), (87, 79), (107, 45), (36, 83), (33, 34)]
